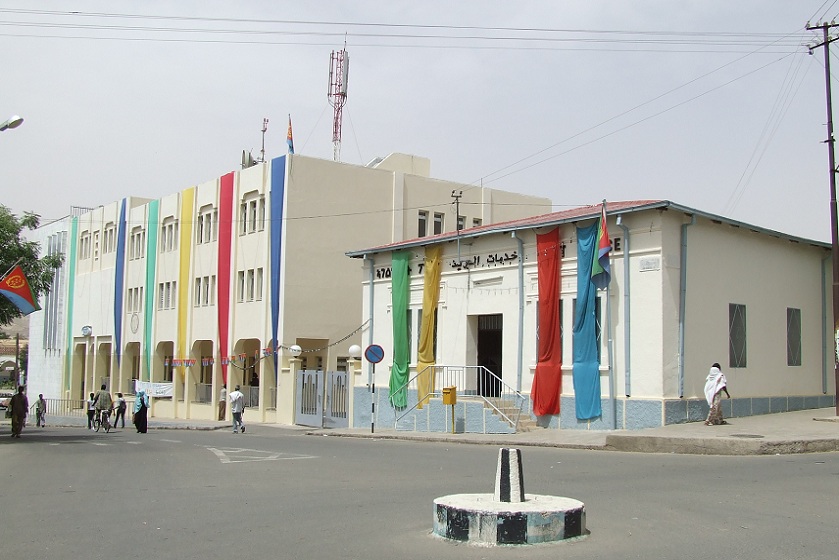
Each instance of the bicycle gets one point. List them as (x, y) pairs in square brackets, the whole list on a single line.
[(102, 419)]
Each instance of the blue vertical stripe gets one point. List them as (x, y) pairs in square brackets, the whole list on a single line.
[(119, 278), (277, 198), (586, 363)]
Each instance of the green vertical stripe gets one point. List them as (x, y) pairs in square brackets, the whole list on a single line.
[(400, 293), (152, 226), (71, 283)]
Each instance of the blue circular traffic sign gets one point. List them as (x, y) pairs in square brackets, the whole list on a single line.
[(374, 353)]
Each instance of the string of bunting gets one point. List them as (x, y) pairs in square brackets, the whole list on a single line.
[(241, 360)]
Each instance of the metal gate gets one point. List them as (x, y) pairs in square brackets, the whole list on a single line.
[(322, 399)]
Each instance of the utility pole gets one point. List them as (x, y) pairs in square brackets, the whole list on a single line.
[(456, 196), (834, 223)]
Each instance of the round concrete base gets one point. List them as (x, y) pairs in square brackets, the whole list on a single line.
[(479, 518)]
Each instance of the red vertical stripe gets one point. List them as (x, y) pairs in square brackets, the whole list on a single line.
[(547, 381), (225, 233)]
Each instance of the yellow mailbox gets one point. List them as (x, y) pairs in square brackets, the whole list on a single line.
[(449, 395)]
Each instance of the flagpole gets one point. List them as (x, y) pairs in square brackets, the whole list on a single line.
[(612, 400), (11, 268)]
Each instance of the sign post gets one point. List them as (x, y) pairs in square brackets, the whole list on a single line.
[(374, 354)]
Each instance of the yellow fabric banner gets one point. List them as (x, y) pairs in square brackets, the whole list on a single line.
[(430, 298)]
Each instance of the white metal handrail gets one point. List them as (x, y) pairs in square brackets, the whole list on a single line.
[(473, 383)]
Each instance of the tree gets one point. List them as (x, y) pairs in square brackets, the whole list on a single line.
[(15, 247)]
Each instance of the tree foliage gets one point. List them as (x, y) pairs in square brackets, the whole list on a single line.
[(13, 247)]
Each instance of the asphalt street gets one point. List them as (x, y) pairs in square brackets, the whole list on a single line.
[(70, 493)]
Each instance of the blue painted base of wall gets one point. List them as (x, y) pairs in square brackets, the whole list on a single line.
[(636, 414), (629, 414)]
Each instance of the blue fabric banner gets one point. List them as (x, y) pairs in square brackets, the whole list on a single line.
[(277, 198), (119, 283), (586, 362)]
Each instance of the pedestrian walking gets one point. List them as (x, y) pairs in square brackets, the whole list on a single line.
[(222, 403), (91, 411), (237, 407), (19, 406), (41, 411), (715, 385), (121, 407), (141, 408)]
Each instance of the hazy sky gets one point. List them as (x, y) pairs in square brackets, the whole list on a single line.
[(712, 104)]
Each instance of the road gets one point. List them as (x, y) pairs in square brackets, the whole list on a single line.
[(69, 493)]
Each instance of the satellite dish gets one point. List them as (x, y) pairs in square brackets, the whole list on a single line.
[(86, 330), (247, 159)]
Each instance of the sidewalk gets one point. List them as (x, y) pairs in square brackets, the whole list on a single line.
[(805, 431)]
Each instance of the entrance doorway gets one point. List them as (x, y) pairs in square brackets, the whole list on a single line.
[(490, 354)]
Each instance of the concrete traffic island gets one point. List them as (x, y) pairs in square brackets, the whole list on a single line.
[(509, 516)]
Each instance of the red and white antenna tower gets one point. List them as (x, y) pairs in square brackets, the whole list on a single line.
[(339, 71)]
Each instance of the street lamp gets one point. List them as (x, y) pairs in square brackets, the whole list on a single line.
[(355, 351), (294, 350), (13, 122)]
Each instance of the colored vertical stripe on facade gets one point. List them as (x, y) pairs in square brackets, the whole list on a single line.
[(547, 380), (187, 212), (586, 362), (71, 284), (119, 279), (430, 298), (400, 295), (153, 226), (276, 250), (225, 231)]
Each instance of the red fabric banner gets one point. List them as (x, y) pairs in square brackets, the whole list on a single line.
[(547, 382), (225, 235)]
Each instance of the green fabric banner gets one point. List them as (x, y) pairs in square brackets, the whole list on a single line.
[(399, 293)]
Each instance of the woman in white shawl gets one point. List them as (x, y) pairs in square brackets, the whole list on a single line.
[(715, 384)]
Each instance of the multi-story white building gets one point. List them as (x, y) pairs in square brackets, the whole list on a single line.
[(213, 284), (688, 289)]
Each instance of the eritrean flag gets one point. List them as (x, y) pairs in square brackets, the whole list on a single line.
[(290, 138), (16, 288), (601, 271)]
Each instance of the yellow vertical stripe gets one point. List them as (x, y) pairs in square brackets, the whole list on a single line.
[(185, 248), (430, 297)]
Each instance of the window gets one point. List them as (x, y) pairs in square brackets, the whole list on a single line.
[(252, 216), (438, 223), (261, 213), (166, 295), (422, 223), (250, 285), (259, 280), (461, 222), (736, 335), (205, 288), (793, 336), (137, 244), (84, 245), (206, 227), (197, 301), (240, 292), (168, 235), (135, 300), (110, 238), (243, 218), (96, 245), (476, 222)]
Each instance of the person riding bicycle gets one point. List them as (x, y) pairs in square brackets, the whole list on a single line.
[(103, 402)]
